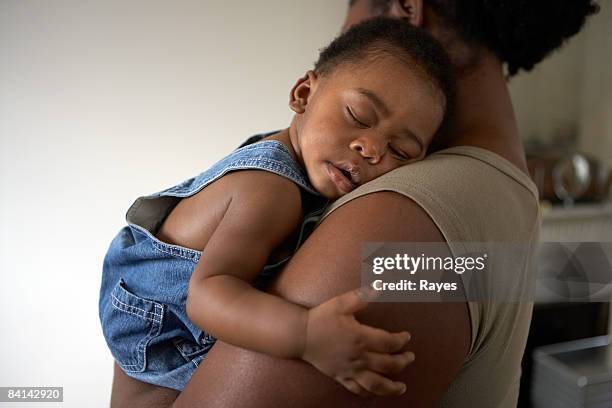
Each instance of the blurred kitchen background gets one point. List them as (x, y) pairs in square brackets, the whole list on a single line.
[(103, 101), (564, 109)]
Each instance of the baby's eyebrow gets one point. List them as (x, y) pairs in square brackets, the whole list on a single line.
[(378, 103)]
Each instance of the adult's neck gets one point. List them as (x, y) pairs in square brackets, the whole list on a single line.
[(484, 116)]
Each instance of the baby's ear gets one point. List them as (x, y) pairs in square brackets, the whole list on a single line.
[(301, 92)]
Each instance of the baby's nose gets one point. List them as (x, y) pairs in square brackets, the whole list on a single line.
[(371, 150)]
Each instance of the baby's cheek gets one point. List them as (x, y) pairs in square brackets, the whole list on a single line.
[(317, 177)]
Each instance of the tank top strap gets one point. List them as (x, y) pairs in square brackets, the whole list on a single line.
[(255, 154), (269, 155)]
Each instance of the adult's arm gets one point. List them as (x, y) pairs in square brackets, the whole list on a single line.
[(326, 265)]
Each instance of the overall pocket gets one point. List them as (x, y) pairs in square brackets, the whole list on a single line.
[(129, 323)]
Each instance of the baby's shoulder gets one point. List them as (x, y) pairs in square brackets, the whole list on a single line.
[(261, 187)]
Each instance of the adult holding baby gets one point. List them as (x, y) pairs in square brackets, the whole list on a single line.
[(468, 354)]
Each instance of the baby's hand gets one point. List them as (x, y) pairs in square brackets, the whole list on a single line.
[(354, 354)]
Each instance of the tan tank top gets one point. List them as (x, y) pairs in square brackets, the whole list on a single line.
[(474, 195)]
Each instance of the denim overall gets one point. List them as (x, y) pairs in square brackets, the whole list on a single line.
[(145, 281)]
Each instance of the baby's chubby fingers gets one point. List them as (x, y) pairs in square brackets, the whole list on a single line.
[(387, 363), (354, 387), (381, 340), (379, 385)]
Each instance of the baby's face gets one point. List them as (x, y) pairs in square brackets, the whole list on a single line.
[(363, 120)]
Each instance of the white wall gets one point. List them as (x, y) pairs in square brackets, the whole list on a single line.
[(101, 101)]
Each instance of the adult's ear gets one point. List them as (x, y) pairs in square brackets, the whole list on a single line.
[(408, 10), (302, 91)]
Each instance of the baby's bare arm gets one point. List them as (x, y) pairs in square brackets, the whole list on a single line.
[(264, 210)]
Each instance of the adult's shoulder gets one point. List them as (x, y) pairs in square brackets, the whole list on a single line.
[(470, 193)]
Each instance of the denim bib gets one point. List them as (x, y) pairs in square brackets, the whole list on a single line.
[(145, 280)]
